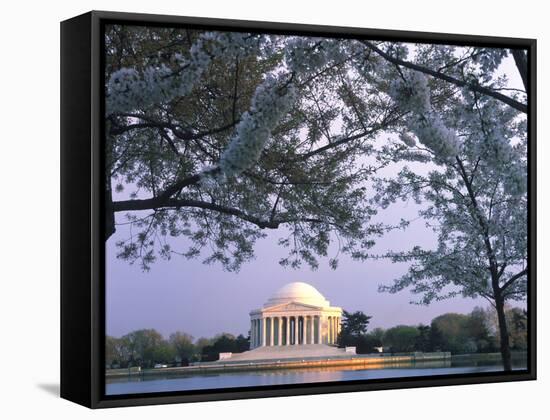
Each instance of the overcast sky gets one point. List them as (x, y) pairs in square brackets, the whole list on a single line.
[(203, 300)]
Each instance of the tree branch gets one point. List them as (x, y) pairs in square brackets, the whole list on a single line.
[(157, 202), (178, 186), (514, 278), (373, 129), (476, 213), (178, 132), (472, 86)]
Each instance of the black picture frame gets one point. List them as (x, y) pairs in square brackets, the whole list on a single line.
[(83, 218)]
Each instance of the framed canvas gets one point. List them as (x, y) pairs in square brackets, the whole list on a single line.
[(254, 209)]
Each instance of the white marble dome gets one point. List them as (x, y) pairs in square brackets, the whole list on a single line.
[(298, 292)]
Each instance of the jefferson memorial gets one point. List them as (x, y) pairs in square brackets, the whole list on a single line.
[(298, 323), (297, 314)]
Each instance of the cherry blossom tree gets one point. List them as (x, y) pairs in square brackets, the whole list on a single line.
[(219, 136), (474, 197)]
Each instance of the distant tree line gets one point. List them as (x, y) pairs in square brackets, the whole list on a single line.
[(476, 332), (147, 348)]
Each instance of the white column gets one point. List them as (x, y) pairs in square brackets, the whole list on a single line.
[(262, 331), (267, 336), (255, 334), (311, 328), (316, 336), (280, 332), (290, 333), (271, 331), (287, 332), (251, 333), (267, 330), (298, 332)]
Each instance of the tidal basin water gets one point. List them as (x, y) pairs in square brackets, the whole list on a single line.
[(146, 384)]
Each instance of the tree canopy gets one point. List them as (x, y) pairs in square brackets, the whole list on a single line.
[(215, 136)]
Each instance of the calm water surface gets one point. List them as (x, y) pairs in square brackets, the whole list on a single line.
[(292, 376)]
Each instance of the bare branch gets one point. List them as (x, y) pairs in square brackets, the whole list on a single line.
[(514, 278), (157, 202), (461, 83)]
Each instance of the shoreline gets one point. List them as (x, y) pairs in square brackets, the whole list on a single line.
[(299, 363)]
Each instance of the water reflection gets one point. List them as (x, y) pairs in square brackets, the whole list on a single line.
[(145, 384)]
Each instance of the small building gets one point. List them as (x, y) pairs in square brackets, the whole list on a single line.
[(297, 314)]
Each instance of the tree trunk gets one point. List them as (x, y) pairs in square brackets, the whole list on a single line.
[(504, 337), (521, 63), (109, 213)]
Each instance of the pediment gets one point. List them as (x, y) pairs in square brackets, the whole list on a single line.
[(290, 307)]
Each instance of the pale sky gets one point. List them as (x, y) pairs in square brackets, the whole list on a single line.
[(204, 300)]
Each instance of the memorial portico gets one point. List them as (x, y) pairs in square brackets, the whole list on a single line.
[(297, 314)]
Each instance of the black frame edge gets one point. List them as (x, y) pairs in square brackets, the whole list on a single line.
[(532, 207), (285, 27), (76, 169)]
